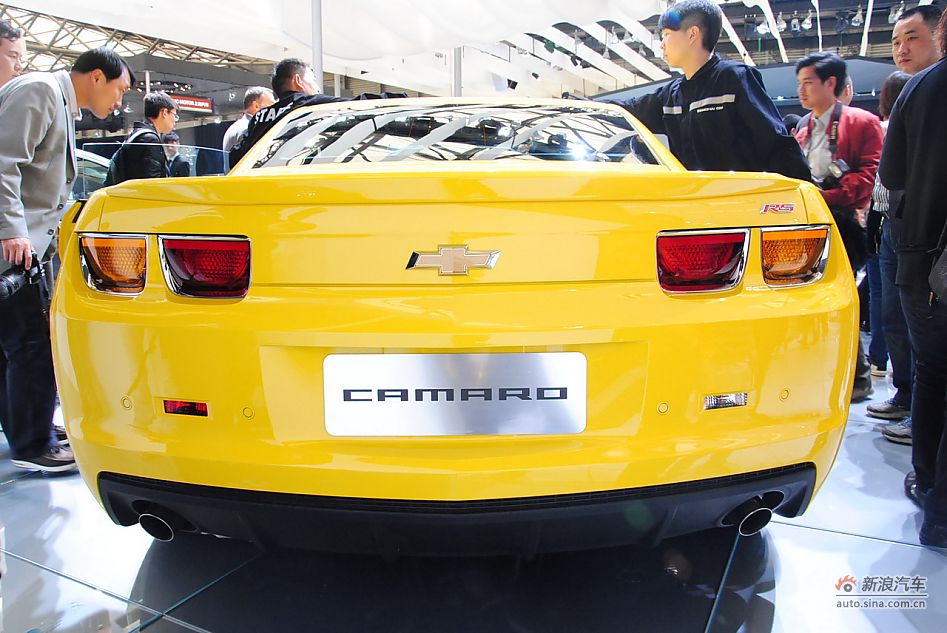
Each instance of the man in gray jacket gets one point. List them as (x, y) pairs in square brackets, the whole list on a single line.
[(37, 167)]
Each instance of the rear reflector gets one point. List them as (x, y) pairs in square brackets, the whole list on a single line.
[(693, 262), (207, 267), (794, 256), (725, 401), (184, 407), (114, 264)]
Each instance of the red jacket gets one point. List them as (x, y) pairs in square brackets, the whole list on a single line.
[(859, 144)]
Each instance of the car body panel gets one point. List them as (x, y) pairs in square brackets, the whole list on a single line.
[(576, 273)]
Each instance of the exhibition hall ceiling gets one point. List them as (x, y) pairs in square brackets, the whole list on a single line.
[(524, 47)]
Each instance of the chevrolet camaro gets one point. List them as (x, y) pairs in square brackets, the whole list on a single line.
[(454, 325)]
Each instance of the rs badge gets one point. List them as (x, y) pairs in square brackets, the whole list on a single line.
[(787, 207)]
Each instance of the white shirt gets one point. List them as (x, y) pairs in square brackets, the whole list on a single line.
[(72, 101), (817, 147), (235, 131), (73, 111)]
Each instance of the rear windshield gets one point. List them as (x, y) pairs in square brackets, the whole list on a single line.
[(455, 132)]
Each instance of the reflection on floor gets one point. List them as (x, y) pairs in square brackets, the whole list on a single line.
[(68, 568)]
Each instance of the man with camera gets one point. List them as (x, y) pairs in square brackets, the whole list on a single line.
[(843, 146), (37, 167)]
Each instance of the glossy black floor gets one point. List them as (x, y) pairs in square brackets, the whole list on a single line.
[(68, 568)]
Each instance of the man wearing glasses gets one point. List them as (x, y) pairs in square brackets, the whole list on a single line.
[(142, 154)]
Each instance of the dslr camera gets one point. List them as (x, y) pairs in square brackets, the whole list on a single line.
[(14, 278), (837, 169)]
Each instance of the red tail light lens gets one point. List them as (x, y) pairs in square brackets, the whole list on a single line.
[(693, 262), (207, 267), (185, 407)]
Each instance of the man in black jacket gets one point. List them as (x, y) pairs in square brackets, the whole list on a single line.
[(914, 160), (142, 154), (294, 84), (718, 116), (178, 167)]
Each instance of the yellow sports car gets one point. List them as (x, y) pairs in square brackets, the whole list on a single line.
[(454, 325)]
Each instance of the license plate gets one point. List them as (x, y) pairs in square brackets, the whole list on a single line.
[(379, 395)]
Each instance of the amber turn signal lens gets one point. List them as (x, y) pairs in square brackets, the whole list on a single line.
[(795, 256), (114, 264)]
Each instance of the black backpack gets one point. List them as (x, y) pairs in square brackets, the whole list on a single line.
[(116, 173)]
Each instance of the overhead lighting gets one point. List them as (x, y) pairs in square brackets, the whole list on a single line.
[(807, 22), (794, 25), (606, 53), (896, 12), (859, 18), (781, 23), (841, 21), (762, 29)]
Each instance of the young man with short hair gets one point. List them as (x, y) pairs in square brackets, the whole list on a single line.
[(12, 52), (178, 167), (718, 116), (843, 145), (142, 154), (37, 167), (913, 43)]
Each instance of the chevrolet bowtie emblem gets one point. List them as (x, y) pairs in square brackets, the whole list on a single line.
[(453, 260)]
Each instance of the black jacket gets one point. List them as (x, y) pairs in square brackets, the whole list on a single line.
[(179, 167), (914, 159), (265, 118), (721, 119), (143, 157)]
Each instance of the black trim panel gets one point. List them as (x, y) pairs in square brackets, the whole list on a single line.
[(488, 526)]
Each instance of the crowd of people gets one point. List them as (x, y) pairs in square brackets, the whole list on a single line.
[(717, 116)]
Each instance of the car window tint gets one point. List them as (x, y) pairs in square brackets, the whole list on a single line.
[(455, 132)]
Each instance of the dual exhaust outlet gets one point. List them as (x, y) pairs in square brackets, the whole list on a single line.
[(752, 515), (163, 524), (749, 517)]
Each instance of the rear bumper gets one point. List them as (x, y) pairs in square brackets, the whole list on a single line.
[(490, 526)]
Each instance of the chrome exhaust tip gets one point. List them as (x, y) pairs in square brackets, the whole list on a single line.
[(156, 527)]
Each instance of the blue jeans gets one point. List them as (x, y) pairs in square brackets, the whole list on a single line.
[(927, 322), (877, 350), (897, 338)]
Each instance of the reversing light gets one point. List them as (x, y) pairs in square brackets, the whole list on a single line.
[(725, 401), (701, 261), (794, 256), (114, 263), (185, 407), (206, 266)]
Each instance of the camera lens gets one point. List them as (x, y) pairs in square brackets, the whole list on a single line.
[(11, 281)]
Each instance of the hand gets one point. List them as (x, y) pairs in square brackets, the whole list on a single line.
[(18, 250)]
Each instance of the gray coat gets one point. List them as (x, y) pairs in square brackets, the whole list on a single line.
[(37, 157)]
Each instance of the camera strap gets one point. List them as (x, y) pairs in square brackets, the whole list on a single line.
[(831, 130)]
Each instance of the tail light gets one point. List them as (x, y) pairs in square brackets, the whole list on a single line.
[(114, 263), (207, 266), (794, 256), (185, 407), (701, 261)]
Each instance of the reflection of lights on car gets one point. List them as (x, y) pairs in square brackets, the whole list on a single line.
[(579, 151)]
